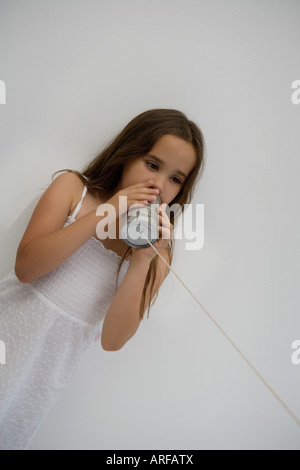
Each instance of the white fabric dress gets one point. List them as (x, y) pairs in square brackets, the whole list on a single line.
[(46, 326)]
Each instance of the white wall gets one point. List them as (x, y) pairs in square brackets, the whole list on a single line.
[(76, 72)]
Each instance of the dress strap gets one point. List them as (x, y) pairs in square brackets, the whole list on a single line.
[(78, 207)]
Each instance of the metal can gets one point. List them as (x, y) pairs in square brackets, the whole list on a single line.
[(142, 221)]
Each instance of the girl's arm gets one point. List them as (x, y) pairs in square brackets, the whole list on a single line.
[(123, 316), (45, 244)]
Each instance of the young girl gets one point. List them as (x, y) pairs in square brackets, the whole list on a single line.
[(68, 283)]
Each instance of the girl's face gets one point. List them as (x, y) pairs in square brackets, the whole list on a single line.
[(168, 164)]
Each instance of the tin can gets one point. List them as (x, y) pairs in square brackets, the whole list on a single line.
[(142, 221)]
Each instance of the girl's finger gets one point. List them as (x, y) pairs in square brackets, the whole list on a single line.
[(142, 196), (164, 219), (164, 215), (163, 207), (144, 183), (165, 233)]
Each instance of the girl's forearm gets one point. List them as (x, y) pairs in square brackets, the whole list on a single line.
[(47, 252), (123, 316)]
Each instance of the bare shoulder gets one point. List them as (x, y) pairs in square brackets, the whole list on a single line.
[(53, 207), (69, 181), (68, 185)]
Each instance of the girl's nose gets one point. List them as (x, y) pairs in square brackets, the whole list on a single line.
[(157, 185)]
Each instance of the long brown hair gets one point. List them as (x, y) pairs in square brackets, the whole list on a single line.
[(136, 140)]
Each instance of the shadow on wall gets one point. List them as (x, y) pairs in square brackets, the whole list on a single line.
[(11, 238)]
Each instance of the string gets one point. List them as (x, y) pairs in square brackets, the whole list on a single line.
[(285, 406)]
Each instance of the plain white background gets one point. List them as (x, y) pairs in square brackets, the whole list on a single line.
[(76, 72)]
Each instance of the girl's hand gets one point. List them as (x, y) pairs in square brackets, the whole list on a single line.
[(138, 194), (165, 235)]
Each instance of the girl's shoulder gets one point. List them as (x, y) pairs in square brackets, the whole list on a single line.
[(70, 178), (53, 208), (72, 184)]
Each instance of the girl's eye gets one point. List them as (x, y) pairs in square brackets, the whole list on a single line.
[(177, 180), (151, 163)]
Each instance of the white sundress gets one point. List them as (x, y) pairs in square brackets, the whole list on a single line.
[(46, 325)]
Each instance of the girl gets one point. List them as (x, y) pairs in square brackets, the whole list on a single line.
[(67, 282)]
